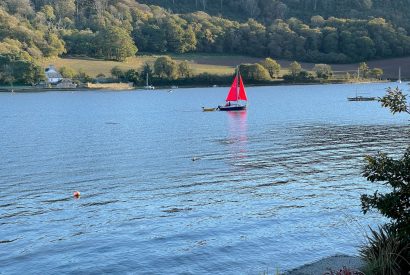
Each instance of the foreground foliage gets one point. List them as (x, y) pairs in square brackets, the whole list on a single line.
[(388, 250), (395, 100), (386, 253)]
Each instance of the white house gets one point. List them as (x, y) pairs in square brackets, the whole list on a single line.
[(53, 76)]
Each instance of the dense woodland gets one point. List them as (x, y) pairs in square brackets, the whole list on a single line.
[(325, 31)]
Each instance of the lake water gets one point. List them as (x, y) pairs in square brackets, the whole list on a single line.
[(277, 186)]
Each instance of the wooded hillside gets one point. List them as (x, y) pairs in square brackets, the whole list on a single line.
[(327, 31)]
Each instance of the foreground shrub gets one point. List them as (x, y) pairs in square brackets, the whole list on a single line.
[(388, 249), (386, 253)]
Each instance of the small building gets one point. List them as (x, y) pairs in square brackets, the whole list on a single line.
[(53, 75)]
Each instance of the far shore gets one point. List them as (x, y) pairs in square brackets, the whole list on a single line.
[(33, 89)]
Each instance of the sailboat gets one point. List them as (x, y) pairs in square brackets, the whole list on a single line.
[(147, 86), (236, 99), (399, 80)]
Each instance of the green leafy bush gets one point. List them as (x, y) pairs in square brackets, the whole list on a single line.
[(388, 250)]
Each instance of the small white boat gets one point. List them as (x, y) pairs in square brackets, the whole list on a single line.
[(147, 86)]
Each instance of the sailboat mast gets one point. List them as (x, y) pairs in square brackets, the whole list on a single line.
[(146, 80), (237, 84)]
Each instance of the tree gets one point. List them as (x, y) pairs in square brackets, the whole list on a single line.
[(83, 76), (376, 73), (64, 9), (48, 11), (54, 46), (365, 47), (67, 72), (166, 67), (16, 69), (115, 44), (388, 251), (272, 67), (254, 72), (323, 71), (117, 73), (6, 75), (317, 21), (364, 69), (132, 76), (395, 100), (295, 69), (81, 42), (394, 205), (184, 69)]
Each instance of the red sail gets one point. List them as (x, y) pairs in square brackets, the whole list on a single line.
[(233, 92), (242, 92)]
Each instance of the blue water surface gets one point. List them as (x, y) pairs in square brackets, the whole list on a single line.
[(277, 186)]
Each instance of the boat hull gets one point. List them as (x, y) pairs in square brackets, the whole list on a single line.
[(360, 98), (232, 108), (209, 109)]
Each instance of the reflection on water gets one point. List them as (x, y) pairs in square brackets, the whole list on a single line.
[(238, 135), (276, 186)]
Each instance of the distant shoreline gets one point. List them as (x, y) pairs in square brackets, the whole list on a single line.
[(29, 89)]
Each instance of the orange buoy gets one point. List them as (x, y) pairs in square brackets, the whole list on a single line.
[(77, 194)]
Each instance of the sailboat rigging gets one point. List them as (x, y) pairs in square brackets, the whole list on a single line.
[(147, 86)]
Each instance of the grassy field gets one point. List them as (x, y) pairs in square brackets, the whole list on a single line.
[(93, 67), (221, 64)]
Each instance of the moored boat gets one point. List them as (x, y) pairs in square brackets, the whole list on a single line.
[(209, 109), (361, 98), (147, 86)]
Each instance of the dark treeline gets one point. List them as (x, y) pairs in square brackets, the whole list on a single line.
[(117, 29), (266, 11)]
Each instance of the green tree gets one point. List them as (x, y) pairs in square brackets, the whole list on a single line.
[(117, 72), (6, 74), (395, 100), (254, 72), (184, 69), (363, 70), (365, 47), (67, 72), (15, 69), (294, 69), (323, 71), (54, 46), (80, 42), (132, 76), (272, 67), (389, 250), (115, 44), (83, 76), (64, 9), (376, 73), (394, 205), (165, 67), (48, 11)]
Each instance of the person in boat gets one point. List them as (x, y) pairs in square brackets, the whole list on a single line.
[(228, 104)]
